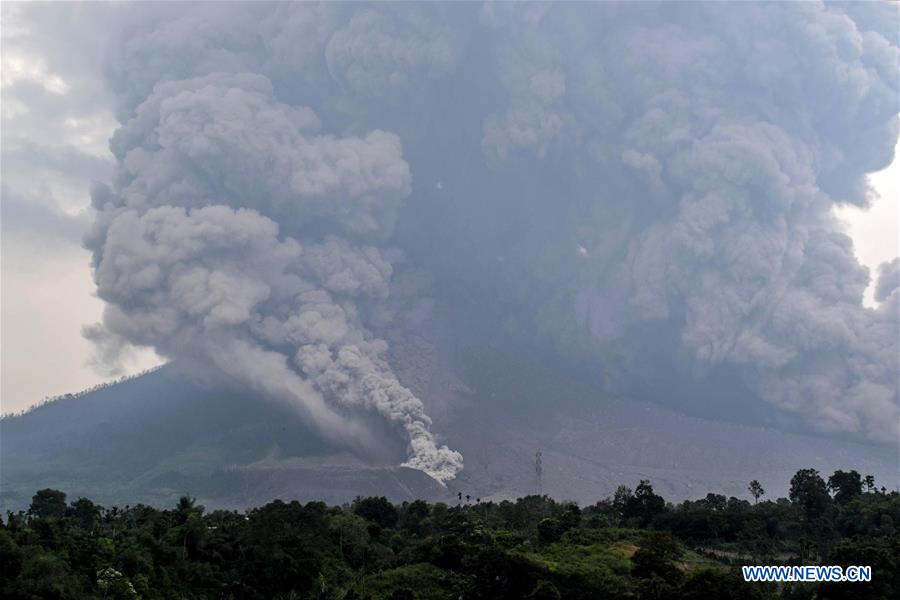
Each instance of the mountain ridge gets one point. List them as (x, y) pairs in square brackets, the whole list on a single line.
[(160, 435)]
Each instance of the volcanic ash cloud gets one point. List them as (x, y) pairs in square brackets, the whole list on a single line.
[(233, 237)]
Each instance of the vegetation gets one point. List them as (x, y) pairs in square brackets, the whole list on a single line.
[(633, 545)]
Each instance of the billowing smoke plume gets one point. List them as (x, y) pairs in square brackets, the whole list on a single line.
[(646, 189), (708, 147), (232, 236)]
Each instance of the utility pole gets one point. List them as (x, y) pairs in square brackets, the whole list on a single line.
[(539, 471)]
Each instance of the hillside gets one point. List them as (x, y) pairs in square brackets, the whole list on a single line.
[(155, 437), (152, 438)]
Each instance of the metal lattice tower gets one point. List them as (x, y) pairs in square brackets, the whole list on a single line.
[(539, 471)]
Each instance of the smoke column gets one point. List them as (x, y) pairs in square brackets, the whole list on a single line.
[(191, 261)]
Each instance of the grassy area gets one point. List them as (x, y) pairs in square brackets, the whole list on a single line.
[(425, 581)]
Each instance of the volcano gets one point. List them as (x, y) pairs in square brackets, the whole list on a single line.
[(160, 435)]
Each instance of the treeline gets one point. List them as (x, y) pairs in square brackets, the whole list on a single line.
[(632, 545), (48, 400)]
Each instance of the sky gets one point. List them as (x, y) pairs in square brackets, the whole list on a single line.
[(876, 230), (58, 113), (56, 122)]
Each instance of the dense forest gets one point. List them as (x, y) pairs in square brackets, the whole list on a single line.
[(632, 545)]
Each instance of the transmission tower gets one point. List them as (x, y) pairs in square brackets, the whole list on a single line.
[(539, 471)]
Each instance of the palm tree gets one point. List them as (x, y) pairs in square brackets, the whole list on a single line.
[(189, 517)]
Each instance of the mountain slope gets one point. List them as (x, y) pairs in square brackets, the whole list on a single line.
[(497, 403), (155, 437)]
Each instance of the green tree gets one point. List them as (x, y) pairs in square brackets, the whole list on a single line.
[(884, 558), (378, 510), (48, 503), (11, 557), (190, 528), (845, 485), (809, 494), (620, 500), (412, 515), (85, 513), (549, 530), (655, 566), (869, 483), (644, 505), (756, 490), (657, 556), (46, 575)]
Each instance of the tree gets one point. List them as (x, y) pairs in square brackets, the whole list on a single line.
[(190, 530), (115, 585), (645, 505), (378, 510), (621, 499), (412, 515), (845, 485), (884, 558), (657, 556), (10, 557), (715, 502), (756, 490), (85, 513), (810, 494), (549, 530), (46, 575), (870, 483), (48, 503), (187, 507)]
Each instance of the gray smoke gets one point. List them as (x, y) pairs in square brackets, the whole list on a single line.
[(736, 130), (189, 265), (647, 190)]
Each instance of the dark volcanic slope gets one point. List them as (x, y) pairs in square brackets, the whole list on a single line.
[(153, 438), (498, 403), (158, 436)]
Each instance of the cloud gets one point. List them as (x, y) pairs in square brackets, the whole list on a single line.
[(30, 217), (888, 280)]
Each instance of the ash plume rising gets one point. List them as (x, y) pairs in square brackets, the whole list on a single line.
[(234, 238), (707, 149), (646, 190)]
